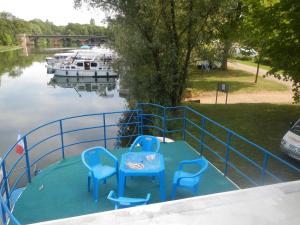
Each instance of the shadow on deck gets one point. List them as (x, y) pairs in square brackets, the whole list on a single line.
[(60, 190)]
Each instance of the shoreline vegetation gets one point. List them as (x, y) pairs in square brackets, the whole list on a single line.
[(9, 48)]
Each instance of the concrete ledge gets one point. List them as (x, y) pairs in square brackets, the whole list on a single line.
[(266, 205)]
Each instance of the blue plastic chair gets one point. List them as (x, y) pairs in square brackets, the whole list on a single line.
[(123, 202), (187, 179), (148, 143), (95, 159)]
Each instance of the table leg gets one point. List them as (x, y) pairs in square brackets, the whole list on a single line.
[(162, 186), (121, 184)]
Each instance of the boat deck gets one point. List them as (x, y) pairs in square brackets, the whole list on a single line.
[(60, 190)]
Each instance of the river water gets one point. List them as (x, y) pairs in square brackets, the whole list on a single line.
[(29, 96)]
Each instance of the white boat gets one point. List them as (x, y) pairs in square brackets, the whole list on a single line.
[(85, 68), (93, 62)]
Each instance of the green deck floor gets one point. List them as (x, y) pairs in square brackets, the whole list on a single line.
[(60, 191)]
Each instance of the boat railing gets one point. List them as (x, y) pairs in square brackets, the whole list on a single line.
[(243, 161)]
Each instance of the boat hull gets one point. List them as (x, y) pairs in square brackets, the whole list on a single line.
[(85, 73)]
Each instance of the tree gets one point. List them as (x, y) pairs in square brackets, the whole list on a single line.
[(92, 21), (155, 39), (272, 28), (226, 24)]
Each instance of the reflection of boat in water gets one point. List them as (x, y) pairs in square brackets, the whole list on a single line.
[(102, 87)]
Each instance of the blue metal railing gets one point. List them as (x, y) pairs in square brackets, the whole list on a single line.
[(147, 121)]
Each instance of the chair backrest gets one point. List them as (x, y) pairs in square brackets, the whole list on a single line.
[(203, 163), (148, 143), (94, 156), (127, 202)]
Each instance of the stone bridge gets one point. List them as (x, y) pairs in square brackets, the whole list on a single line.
[(27, 39)]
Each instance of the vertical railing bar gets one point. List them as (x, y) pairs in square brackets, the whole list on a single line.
[(203, 123), (104, 130), (5, 179), (228, 142), (3, 214), (264, 167), (141, 118), (184, 124), (139, 112), (27, 159), (165, 126), (62, 139)]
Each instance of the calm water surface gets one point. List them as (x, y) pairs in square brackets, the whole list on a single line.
[(29, 96)]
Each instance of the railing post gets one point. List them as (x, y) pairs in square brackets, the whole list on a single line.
[(27, 159), (5, 180), (184, 124), (3, 214), (141, 122), (165, 126), (264, 167), (62, 139), (202, 135), (104, 129), (227, 152)]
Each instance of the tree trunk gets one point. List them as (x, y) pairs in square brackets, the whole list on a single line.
[(257, 69), (227, 45)]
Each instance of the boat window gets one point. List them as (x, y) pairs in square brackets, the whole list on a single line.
[(79, 64), (100, 68), (87, 65), (67, 67), (73, 67), (93, 64)]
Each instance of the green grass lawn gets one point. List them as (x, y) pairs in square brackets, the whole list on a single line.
[(251, 63), (263, 124), (238, 81)]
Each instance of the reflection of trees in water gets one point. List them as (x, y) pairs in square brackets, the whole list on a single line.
[(13, 62), (126, 129), (149, 124)]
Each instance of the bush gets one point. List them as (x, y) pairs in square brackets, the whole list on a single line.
[(243, 57)]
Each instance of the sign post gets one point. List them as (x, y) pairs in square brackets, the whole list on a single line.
[(223, 87)]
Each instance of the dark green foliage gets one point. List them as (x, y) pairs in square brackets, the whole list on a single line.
[(273, 29), (10, 27)]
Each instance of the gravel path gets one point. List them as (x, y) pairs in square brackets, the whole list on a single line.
[(275, 97)]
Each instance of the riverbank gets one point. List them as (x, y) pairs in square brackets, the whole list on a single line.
[(9, 48)]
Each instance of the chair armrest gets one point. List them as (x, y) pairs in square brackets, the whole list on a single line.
[(158, 146), (114, 158), (185, 162), (83, 160), (136, 141), (111, 196)]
